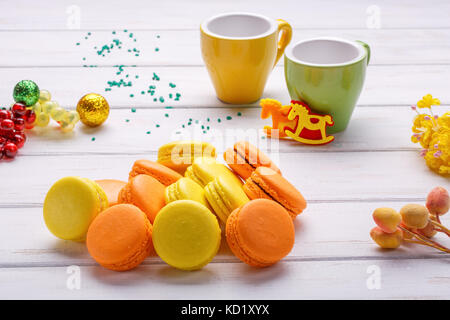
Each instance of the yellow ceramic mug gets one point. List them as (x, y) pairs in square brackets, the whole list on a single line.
[(240, 50)]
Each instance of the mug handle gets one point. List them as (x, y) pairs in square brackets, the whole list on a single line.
[(286, 35), (366, 46)]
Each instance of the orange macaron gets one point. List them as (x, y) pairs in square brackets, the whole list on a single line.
[(156, 170), (244, 158), (112, 188), (145, 192), (267, 184), (260, 233), (120, 238)]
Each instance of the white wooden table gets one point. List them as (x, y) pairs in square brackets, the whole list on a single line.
[(371, 164)]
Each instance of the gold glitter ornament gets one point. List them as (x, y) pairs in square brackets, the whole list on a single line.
[(93, 109)]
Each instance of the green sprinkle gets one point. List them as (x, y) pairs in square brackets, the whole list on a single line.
[(84, 58), (189, 123), (239, 114), (207, 119), (156, 49), (93, 139), (166, 115), (196, 121), (131, 35), (263, 137), (113, 32), (158, 36), (89, 33), (133, 110), (148, 132), (207, 128), (154, 99), (78, 43), (183, 126), (203, 127), (142, 92), (131, 95), (168, 107), (218, 120), (107, 89), (155, 77), (125, 30), (229, 118), (170, 95), (127, 120), (161, 99), (157, 125)]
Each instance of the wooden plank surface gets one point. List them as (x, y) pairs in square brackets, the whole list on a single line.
[(371, 164), (363, 133), (389, 46), (325, 231), (384, 85), (172, 14), (307, 280), (320, 176)]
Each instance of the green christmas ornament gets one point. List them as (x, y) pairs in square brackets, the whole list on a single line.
[(27, 92)]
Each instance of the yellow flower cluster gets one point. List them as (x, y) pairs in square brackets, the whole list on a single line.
[(433, 134)]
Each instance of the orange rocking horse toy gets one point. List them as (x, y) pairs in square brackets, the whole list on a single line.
[(296, 121)]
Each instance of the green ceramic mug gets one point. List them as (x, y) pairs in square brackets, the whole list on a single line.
[(328, 74)]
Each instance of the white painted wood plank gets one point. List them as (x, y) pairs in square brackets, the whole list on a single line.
[(385, 85), (188, 14), (400, 279), (319, 176), (370, 129), (58, 48), (324, 231)]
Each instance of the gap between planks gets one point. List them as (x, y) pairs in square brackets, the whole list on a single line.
[(234, 260), (318, 201), (197, 29)]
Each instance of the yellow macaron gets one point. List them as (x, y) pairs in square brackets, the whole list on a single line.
[(186, 235), (71, 205), (224, 195), (186, 189), (179, 155), (204, 170)]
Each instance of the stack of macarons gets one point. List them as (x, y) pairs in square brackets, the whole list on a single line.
[(177, 206)]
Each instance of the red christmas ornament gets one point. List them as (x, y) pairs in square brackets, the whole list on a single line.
[(30, 118), (10, 150), (5, 114), (7, 124), (19, 124), (19, 139), (12, 125), (19, 110)]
